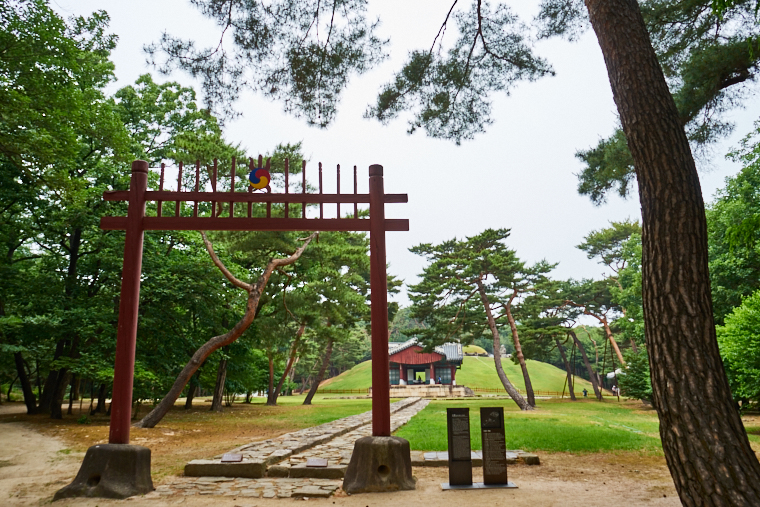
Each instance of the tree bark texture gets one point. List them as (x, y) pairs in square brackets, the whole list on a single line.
[(254, 295), (519, 352), (56, 407), (221, 376), (568, 370), (511, 390), (73, 394), (101, 406), (272, 398), (320, 374), (270, 386), (29, 400), (613, 342), (705, 444), (591, 373), (48, 391), (191, 392)]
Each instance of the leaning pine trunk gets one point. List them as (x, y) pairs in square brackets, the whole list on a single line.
[(272, 399), (567, 369), (703, 438), (519, 353), (611, 338), (524, 405), (591, 372), (322, 369), (217, 342)]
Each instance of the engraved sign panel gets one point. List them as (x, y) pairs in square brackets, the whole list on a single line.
[(494, 446), (232, 458), (460, 456)]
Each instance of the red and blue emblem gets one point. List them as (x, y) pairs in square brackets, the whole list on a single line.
[(259, 178)]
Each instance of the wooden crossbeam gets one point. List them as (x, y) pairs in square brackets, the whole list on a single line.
[(252, 224)]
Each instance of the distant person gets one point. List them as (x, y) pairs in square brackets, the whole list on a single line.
[(439, 380), (585, 393)]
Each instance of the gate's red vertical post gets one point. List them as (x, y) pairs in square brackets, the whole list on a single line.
[(126, 335), (381, 410)]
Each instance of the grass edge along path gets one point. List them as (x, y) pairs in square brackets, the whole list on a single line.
[(556, 426)]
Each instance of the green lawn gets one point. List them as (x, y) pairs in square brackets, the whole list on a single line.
[(475, 372), (556, 426)]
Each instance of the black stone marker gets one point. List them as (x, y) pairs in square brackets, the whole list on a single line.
[(494, 446), (460, 455)]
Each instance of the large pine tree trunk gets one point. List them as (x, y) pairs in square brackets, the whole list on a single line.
[(29, 400), (320, 374), (272, 398), (591, 373), (511, 390), (221, 377), (567, 369), (705, 444), (519, 353)]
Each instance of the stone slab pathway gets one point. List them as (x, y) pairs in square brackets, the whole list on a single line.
[(258, 457), (283, 461), (247, 488)]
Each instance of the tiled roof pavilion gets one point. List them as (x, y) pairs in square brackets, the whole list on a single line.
[(410, 365)]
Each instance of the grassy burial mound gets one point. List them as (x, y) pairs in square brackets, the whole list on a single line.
[(474, 349), (476, 372)]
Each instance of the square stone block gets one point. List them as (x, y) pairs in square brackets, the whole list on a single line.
[(204, 467), (328, 472)]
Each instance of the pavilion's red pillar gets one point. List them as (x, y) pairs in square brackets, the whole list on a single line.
[(126, 335), (453, 372), (381, 409), (432, 373), (401, 372)]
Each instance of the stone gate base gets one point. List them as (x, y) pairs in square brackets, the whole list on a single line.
[(379, 464)]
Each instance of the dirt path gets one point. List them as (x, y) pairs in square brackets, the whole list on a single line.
[(33, 466)]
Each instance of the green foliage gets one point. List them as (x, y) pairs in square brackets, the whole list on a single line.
[(448, 91), (608, 243), (707, 50), (301, 53), (608, 166), (733, 226), (636, 383), (628, 291), (739, 341), (448, 299), (52, 76)]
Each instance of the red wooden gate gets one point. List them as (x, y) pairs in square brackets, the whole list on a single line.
[(135, 223)]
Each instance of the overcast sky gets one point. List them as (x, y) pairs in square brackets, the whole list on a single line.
[(519, 175)]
